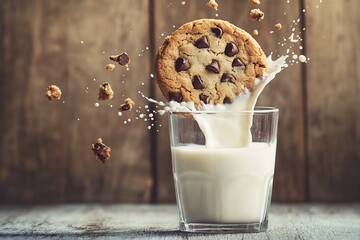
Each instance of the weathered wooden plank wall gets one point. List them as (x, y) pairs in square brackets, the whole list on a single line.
[(333, 86), (44, 148)]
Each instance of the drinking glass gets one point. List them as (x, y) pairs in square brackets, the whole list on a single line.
[(223, 167)]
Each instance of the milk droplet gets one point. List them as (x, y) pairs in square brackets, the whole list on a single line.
[(97, 104), (119, 114), (302, 58), (151, 75)]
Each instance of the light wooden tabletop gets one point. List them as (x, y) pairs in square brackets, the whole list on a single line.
[(118, 221)]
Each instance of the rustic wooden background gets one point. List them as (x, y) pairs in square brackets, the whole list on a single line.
[(45, 152)]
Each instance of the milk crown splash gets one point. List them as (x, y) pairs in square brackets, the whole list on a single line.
[(233, 129), (228, 129)]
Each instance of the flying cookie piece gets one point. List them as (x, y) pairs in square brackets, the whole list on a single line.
[(213, 4), (105, 92), (53, 92), (256, 15), (127, 105), (123, 59), (101, 151)]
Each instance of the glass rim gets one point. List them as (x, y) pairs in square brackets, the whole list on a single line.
[(257, 109)]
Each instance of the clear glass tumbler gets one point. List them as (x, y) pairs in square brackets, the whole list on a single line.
[(223, 166)]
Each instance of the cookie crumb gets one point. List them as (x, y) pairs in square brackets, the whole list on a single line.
[(213, 4), (256, 2), (53, 92), (256, 14), (110, 67), (101, 151), (256, 32), (278, 26), (105, 92), (127, 105), (123, 59)]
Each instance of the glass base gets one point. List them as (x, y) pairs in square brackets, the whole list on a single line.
[(224, 228)]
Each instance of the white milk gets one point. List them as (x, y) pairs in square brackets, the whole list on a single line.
[(232, 131), (223, 185), (228, 179)]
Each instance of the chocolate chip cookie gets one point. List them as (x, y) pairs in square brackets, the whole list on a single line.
[(208, 61)]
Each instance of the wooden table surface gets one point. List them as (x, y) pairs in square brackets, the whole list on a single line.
[(118, 221)]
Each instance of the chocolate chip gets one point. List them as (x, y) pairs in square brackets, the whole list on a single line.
[(202, 42), (125, 107), (123, 59), (198, 82), (204, 98), (238, 63), (227, 77), (231, 49), (213, 66), (175, 96), (226, 100), (217, 31), (182, 64)]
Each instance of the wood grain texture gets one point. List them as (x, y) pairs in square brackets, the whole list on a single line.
[(285, 92), (161, 222), (45, 147), (333, 82)]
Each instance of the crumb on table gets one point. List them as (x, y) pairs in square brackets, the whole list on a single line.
[(256, 32)]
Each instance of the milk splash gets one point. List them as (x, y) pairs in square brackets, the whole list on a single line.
[(228, 129)]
